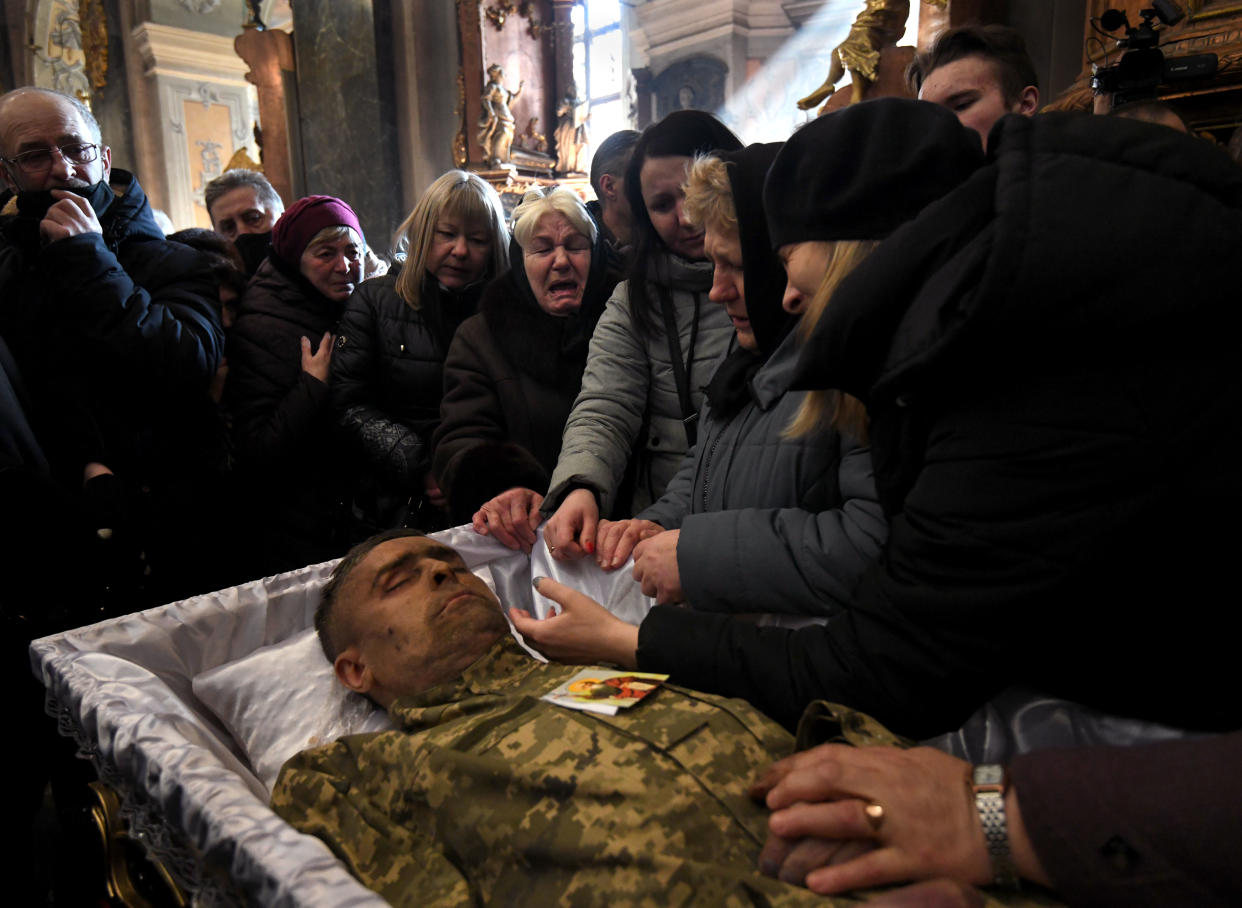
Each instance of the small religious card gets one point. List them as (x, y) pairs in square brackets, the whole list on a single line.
[(604, 691)]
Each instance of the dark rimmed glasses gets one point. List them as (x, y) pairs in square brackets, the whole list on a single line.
[(39, 160)]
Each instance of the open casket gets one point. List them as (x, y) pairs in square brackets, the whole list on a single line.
[(188, 711)]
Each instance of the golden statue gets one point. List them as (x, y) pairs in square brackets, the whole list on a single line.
[(496, 122), (880, 24)]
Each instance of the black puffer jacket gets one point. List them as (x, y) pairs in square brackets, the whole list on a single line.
[(388, 377), (1055, 435), (282, 423), (114, 333), (510, 381)]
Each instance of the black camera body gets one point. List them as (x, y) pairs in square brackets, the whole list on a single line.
[(1143, 68)]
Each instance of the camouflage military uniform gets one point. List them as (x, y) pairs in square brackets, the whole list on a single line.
[(489, 795)]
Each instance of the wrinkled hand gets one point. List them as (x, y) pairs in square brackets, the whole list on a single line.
[(584, 633), (432, 492), (570, 533), (655, 567), (929, 827), (510, 518), (615, 540), (319, 363), (70, 215)]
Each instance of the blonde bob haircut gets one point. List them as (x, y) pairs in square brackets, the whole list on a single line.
[(536, 206), (844, 413), (709, 196), (455, 194)]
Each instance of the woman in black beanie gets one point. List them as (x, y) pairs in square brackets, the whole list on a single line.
[(655, 346)]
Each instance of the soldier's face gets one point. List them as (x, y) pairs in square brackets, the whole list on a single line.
[(420, 618)]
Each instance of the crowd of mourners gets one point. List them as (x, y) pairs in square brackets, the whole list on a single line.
[(927, 402)]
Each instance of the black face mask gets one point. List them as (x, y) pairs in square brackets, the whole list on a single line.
[(253, 248), (35, 204)]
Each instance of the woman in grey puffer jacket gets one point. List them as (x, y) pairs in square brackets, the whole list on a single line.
[(643, 384)]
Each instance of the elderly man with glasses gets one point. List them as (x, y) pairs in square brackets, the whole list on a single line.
[(115, 330)]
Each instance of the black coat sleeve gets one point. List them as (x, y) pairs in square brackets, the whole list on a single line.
[(389, 445), (1029, 549), (1143, 826), (154, 316), (277, 407), (470, 412)]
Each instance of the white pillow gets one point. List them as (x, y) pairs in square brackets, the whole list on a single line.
[(282, 699)]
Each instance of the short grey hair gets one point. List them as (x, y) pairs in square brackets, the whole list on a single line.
[(237, 178), (565, 202), (92, 125)]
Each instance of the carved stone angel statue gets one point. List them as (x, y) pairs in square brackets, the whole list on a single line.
[(496, 123), (571, 133)]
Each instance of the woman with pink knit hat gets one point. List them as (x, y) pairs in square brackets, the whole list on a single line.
[(279, 354)]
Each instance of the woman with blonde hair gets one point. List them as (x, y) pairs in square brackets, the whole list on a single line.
[(389, 362)]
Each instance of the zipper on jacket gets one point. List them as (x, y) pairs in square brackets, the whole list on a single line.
[(707, 468)]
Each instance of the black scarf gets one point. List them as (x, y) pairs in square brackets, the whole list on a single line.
[(32, 208), (729, 389)]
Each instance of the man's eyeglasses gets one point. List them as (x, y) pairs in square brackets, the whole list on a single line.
[(40, 159)]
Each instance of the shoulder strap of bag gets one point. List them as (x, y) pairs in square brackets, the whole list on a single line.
[(682, 368)]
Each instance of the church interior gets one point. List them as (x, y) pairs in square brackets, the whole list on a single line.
[(371, 101)]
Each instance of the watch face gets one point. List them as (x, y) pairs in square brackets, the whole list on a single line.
[(989, 774)]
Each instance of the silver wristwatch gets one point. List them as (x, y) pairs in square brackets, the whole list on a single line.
[(989, 782)]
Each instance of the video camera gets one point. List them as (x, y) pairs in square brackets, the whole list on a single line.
[(1143, 68)]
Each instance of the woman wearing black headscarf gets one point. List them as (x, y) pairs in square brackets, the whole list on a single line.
[(657, 341), (513, 370), (754, 521)]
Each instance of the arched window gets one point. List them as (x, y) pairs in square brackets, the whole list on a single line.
[(598, 70)]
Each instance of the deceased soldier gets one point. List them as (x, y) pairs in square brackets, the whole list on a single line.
[(488, 794)]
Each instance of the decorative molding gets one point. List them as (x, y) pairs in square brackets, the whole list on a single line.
[(202, 7), (186, 71), (56, 45), (168, 50), (459, 115), (186, 177), (1210, 9)]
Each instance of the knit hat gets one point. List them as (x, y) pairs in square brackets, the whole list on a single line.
[(305, 218), (861, 172)]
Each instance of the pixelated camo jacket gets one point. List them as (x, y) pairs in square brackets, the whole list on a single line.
[(490, 796)]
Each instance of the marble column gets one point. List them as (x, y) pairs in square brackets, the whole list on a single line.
[(427, 82), (269, 54), (347, 110)]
